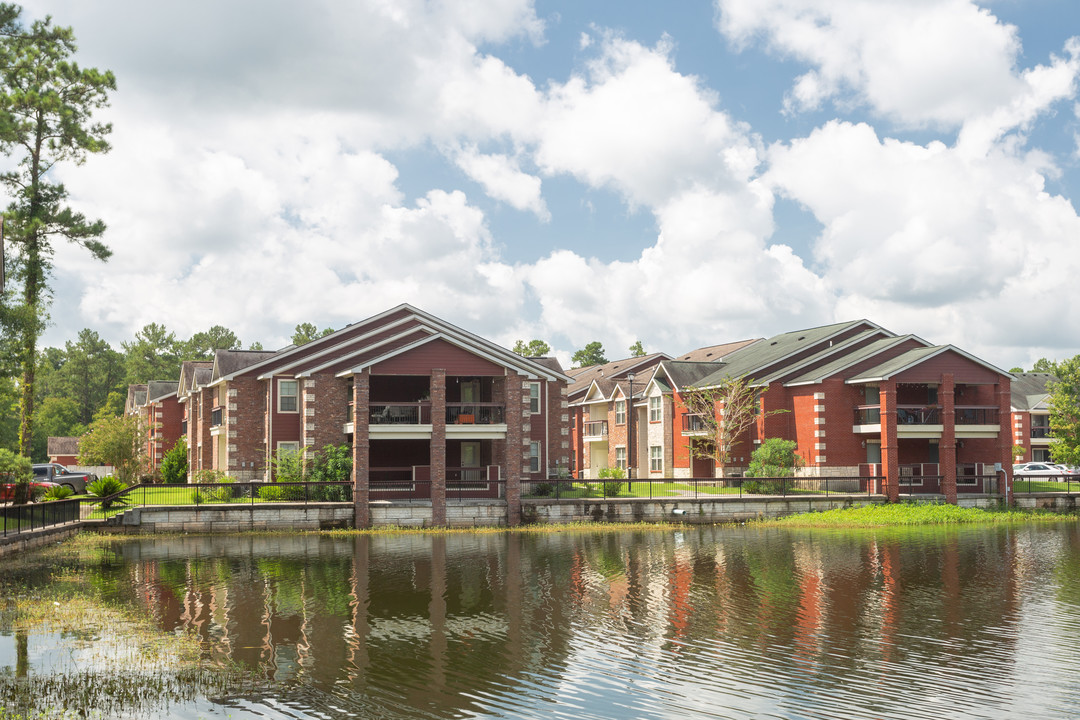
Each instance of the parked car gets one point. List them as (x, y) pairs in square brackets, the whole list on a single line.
[(57, 473), (7, 490), (1040, 469)]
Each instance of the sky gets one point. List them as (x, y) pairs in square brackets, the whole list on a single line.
[(684, 174)]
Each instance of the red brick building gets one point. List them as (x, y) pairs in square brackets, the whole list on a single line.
[(858, 400), (427, 408), (1031, 416)]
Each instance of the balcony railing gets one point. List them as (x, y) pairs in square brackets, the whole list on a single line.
[(596, 429), (905, 415), (976, 415), (868, 415), (475, 413), (414, 413), (1040, 432), (215, 417), (693, 423)]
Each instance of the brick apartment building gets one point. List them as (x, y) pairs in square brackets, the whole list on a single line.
[(857, 399), (1031, 415), (426, 407)]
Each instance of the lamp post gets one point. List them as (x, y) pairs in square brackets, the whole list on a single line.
[(630, 435)]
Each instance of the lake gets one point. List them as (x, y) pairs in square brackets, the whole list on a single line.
[(715, 622)]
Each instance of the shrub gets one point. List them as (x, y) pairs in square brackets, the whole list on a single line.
[(289, 466), (332, 464), (773, 459), (58, 493), (760, 487), (271, 493), (174, 466), (210, 477), (613, 477), (104, 488), (542, 489), (197, 497)]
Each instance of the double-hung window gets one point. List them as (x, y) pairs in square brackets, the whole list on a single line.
[(656, 413), (534, 457), (288, 396), (656, 458), (620, 412), (620, 457), (534, 397)]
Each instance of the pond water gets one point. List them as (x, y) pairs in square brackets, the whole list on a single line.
[(710, 622)]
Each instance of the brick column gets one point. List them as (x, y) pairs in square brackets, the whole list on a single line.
[(947, 444), (438, 447), (890, 455), (517, 439), (1004, 401), (361, 449)]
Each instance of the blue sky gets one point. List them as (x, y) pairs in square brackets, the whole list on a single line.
[(685, 174)]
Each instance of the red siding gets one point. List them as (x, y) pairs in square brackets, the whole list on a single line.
[(437, 354)]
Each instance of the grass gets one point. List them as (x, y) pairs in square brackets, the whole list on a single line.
[(911, 515)]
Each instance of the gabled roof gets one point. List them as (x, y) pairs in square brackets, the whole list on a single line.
[(374, 340), (681, 374), (56, 446), (1029, 390), (850, 355), (583, 377), (159, 390), (716, 353), (229, 362), (136, 398), (193, 374), (911, 358)]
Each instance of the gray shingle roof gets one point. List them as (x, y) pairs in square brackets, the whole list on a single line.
[(583, 377), (849, 356), (714, 353), (62, 446), (1030, 389)]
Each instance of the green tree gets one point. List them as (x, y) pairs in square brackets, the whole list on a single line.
[(306, 332), (154, 354), (202, 345), (55, 417), (174, 466), (113, 405), (1043, 365), (118, 441), (591, 354), (92, 371), (1064, 404), (9, 414), (533, 348), (774, 458), (1016, 369), (637, 349), (46, 106)]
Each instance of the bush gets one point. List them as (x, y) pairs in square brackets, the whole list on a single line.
[(331, 464), (289, 466), (759, 487), (542, 489), (210, 477), (104, 488), (197, 497), (271, 493), (773, 459), (612, 477), (57, 493), (174, 466)]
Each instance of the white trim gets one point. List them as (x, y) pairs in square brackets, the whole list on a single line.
[(279, 396)]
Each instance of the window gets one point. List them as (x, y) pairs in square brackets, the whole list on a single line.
[(288, 396), (656, 458), (534, 457), (291, 447), (656, 413), (620, 457), (873, 452), (620, 412), (534, 397)]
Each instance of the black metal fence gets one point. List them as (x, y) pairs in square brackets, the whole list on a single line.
[(701, 488), (37, 516), (1032, 484)]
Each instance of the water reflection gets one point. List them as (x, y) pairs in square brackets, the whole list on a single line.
[(710, 622)]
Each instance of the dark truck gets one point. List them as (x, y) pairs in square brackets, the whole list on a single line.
[(53, 472)]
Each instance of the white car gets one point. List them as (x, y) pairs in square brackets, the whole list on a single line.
[(1040, 469)]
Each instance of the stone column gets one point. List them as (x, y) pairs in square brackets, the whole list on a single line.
[(361, 448), (890, 455), (438, 447), (947, 444)]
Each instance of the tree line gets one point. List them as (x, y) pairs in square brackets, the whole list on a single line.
[(87, 379)]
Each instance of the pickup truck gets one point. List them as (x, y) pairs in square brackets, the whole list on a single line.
[(53, 472)]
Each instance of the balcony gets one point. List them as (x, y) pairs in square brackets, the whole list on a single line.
[(694, 424), (414, 413), (1040, 433), (976, 415), (475, 414), (595, 430)]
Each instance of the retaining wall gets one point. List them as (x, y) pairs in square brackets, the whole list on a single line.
[(704, 511), (36, 538)]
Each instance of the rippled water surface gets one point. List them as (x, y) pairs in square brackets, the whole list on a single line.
[(716, 622)]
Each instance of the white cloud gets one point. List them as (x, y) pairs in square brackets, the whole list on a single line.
[(919, 63), (503, 179)]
